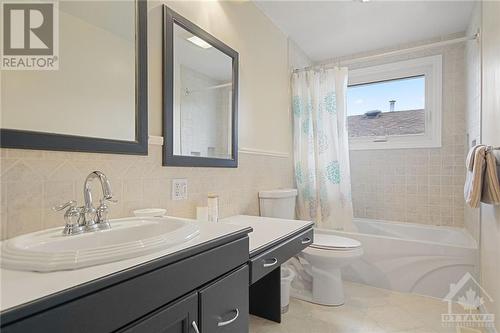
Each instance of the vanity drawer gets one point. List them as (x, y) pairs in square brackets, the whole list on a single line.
[(224, 304), (266, 262)]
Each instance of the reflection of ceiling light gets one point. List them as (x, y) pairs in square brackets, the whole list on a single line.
[(199, 42)]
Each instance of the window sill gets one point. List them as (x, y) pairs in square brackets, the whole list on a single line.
[(394, 144)]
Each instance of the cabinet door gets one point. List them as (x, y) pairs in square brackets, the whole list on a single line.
[(224, 304), (179, 317)]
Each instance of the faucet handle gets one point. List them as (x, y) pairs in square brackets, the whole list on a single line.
[(71, 203), (102, 213), (72, 216)]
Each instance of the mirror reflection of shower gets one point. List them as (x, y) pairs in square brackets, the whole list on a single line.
[(202, 98), (224, 85)]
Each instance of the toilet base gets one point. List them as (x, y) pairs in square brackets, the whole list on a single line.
[(323, 268), (328, 288)]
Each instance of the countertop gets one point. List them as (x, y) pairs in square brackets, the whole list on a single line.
[(18, 288), (267, 231)]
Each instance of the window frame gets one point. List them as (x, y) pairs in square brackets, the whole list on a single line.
[(431, 68)]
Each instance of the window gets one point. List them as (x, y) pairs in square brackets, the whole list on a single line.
[(397, 105)]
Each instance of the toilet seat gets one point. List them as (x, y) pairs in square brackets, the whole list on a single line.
[(333, 242)]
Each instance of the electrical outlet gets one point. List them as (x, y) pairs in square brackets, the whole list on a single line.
[(179, 189)]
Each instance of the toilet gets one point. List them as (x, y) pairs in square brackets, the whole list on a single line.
[(326, 255)]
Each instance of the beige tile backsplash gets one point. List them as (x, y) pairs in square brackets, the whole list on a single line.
[(419, 185), (34, 181)]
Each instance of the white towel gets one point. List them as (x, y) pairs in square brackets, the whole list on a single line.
[(482, 180), (491, 185), (475, 165), (469, 162)]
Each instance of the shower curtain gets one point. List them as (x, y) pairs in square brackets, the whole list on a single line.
[(321, 152)]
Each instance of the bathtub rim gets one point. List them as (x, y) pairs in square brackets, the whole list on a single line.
[(473, 246)]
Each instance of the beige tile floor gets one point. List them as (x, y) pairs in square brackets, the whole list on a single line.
[(367, 310)]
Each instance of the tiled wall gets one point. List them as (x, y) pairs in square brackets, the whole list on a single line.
[(418, 185), (34, 181)]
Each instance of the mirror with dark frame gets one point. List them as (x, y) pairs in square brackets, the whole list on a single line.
[(200, 96), (96, 101)]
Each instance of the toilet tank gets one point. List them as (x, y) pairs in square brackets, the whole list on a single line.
[(278, 203)]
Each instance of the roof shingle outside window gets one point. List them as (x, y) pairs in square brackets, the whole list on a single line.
[(387, 123)]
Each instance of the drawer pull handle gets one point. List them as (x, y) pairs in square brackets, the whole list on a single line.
[(270, 262), (306, 240), (195, 327), (227, 322)]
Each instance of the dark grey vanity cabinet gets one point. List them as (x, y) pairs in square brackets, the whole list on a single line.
[(265, 272), (219, 307)]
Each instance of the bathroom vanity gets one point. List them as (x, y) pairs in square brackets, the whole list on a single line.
[(272, 242), (198, 286)]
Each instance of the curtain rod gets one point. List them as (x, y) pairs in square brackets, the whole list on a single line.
[(333, 63)]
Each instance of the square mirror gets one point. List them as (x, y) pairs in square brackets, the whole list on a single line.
[(200, 96)]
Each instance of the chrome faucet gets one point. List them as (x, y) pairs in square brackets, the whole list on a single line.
[(96, 218), (87, 217)]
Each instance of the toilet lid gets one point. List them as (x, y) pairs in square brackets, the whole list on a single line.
[(326, 241)]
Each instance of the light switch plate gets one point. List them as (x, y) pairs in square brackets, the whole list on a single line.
[(179, 189)]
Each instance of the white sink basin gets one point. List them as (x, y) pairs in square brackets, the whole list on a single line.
[(50, 250)]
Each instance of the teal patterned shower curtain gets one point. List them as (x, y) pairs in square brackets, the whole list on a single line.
[(321, 151)]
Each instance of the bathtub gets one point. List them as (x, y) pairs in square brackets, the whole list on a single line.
[(410, 257)]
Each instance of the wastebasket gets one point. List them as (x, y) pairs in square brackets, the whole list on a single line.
[(287, 276)]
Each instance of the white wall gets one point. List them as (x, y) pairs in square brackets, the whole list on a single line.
[(473, 104), (264, 118), (296, 57), (490, 134)]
